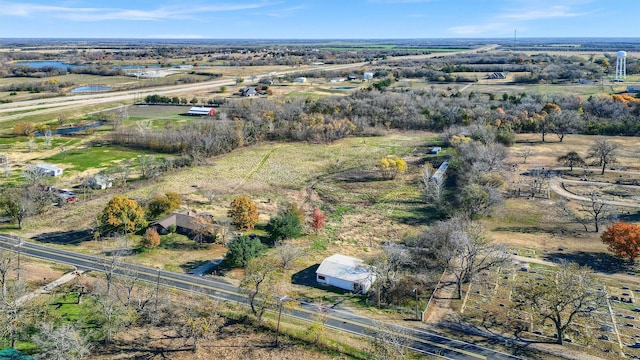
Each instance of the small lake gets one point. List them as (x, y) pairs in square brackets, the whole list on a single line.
[(61, 65), (41, 64), (93, 88), (343, 88)]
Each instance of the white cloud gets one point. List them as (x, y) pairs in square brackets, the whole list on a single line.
[(285, 12), (546, 13), (100, 14)]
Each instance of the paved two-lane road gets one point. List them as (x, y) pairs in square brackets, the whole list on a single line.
[(418, 340)]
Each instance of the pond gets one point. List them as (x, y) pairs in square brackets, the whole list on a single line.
[(41, 64), (343, 88), (92, 88)]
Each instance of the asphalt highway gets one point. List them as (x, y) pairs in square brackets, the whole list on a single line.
[(416, 339)]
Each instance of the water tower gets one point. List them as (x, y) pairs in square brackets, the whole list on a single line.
[(621, 66)]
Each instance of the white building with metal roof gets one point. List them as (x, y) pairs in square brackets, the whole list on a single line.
[(346, 272)]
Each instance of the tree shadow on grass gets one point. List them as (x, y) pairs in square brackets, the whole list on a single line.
[(193, 264), (419, 216), (600, 262), (73, 237)]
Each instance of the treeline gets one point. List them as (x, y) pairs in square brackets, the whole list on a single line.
[(537, 68), (372, 112), (36, 87)]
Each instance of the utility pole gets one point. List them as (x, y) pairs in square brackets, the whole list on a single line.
[(415, 291), (19, 246), (157, 291), (282, 299)]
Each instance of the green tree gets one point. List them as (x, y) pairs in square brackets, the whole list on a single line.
[(121, 215), (571, 159), (243, 212), (284, 226), (163, 204), (242, 249), (158, 206)]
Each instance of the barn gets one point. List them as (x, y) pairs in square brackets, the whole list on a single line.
[(201, 111), (345, 272)]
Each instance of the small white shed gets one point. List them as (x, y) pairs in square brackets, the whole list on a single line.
[(48, 170), (368, 75), (346, 272), (301, 79)]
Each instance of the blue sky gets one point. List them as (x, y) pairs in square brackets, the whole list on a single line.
[(318, 19)]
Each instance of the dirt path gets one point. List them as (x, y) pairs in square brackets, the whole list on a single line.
[(556, 185), (50, 286)]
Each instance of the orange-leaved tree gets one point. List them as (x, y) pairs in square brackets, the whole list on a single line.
[(243, 212), (623, 239), (318, 220), (150, 239)]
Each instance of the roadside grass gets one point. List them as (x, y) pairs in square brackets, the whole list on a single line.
[(178, 253)]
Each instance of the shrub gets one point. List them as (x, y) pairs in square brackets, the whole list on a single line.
[(242, 249), (285, 226), (150, 239)]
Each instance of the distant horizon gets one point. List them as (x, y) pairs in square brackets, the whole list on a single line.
[(511, 39), (312, 19)]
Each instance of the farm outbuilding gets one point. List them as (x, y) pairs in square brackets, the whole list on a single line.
[(346, 272), (48, 170), (301, 79), (367, 76), (201, 111)]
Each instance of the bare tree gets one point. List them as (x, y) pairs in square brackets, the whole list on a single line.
[(61, 343), (318, 327), (287, 253), (33, 175), (148, 166), (6, 266), (388, 342), (4, 160), (525, 153), (561, 297), (464, 249), (262, 284), (48, 137), (604, 151), (200, 321), (597, 210), (387, 266), (203, 228), (433, 187), (14, 315)]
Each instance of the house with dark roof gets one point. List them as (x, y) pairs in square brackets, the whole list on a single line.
[(184, 221), (248, 92)]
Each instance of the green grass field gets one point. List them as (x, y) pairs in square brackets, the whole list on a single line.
[(95, 157)]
